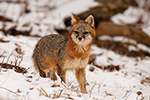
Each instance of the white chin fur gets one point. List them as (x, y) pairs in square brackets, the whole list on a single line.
[(84, 41)]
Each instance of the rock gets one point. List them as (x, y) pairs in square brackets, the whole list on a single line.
[(111, 29)]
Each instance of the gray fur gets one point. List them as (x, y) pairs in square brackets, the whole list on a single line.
[(50, 47)]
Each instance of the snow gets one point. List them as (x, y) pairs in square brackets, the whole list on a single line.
[(116, 83), (103, 85), (131, 16)]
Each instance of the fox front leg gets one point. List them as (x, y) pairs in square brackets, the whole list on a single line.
[(80, 75)]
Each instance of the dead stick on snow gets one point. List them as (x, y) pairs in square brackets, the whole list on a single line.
[(10, 91), (44, 91), (9, 56)]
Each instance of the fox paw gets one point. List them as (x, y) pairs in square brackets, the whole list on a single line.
[(83, 91), (54, 78)]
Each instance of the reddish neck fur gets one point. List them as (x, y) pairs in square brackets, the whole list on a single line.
[(74, 52)]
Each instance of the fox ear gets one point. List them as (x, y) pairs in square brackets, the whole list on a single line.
[(90, 20), (74, 19)]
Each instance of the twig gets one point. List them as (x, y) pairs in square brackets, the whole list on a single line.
[(108, 94), (44, 91), (99, 85), (2, 54), (2, 64), (92, 88), (5, 79), (70, 88), (57, 96), (10, 91), (21, 60), (9, 56), (29, 88), (16, 60), (127, 95)]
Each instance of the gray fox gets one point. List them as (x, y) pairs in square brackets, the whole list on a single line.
[(57, 53)]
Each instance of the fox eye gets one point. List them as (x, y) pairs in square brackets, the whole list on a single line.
[(76, 32), (85, 33)]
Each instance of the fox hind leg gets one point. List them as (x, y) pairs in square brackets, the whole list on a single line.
[(42, 73), (52, 74), (62, 74)]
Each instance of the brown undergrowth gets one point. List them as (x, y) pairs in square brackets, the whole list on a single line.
[(122, 48), (17, 63)]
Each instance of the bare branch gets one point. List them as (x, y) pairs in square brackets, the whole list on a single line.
[(9, 56), (10, 91)]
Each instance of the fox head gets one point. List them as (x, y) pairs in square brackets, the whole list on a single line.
[(82, 32)]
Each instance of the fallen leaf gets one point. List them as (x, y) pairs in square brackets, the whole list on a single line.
[(139, 93)]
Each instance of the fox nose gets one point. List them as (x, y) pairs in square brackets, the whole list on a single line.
[(79, 38)]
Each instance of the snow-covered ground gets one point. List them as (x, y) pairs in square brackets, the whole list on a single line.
[(129, 83)]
